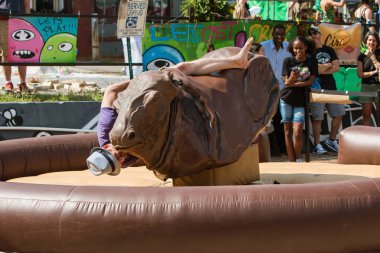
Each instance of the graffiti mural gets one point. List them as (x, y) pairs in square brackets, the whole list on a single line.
[(42, 39), (11, 118), (168, 44)]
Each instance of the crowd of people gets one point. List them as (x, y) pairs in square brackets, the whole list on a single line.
[(330, 11), (299, 64)]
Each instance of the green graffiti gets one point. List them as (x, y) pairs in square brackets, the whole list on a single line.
[(59, 48), (194, 40)]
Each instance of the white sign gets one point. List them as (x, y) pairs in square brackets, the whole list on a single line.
[(132, 18)]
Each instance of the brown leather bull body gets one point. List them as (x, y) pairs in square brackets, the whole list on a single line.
[(181, 125)]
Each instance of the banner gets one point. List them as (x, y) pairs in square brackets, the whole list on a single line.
[(168, 44), (345, 39), (270, 9), (132, 18), (42, 39)]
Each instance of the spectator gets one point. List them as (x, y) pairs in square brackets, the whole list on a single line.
[(299, 71), (363, 14), (368, 71), (328, 63), (378, 11), (16, 6), (241, 12), (328, 9), (276, 51)]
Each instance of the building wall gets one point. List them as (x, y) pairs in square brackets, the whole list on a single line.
[(84, 28)]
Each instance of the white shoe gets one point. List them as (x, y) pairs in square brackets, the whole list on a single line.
[(299, 160), (319, 150), (333, 145)]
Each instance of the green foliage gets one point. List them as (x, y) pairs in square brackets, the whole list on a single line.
[(59, 97), (204, 11)]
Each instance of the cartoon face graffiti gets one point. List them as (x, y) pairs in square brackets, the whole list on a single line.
[(11, 117), (59, 48), (24, 41), (160, 56)]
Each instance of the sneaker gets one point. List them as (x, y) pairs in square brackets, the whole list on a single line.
[(299, 160), (9, 87), (333, 145), (319, 150), (22, 87)]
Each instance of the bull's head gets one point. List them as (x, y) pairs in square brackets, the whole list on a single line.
[(144, 112)]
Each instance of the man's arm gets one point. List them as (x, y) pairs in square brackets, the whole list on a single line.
[(329, 68), (337, 4)]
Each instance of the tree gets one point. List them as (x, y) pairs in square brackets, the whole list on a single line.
[(206, 10)]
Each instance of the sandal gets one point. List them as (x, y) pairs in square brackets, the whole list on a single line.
[(9, 87), (22, 87)]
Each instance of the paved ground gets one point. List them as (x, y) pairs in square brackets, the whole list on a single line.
[(102, 75), (329, 157)]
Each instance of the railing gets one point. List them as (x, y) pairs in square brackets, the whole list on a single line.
[(375, 95)]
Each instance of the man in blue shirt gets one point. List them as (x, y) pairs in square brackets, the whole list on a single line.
[(276, 50), (14, 6)]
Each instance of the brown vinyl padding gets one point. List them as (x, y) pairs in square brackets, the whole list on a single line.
[(330, 217), (359, 145), (34, 156)]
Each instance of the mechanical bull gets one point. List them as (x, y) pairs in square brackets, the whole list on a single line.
[(181, 125)]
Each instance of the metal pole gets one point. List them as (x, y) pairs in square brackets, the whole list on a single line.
[(378, 109), (129, 58), (307, 126)]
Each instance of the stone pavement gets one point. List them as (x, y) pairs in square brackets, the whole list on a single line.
[(101, 75), (328, 157)]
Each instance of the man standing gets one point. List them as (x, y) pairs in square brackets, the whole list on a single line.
[(16, 7), (276, 50), (328, 63)]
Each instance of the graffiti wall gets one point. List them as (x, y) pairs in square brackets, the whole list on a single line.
[(168, 44), (42, 39), (23, 120)]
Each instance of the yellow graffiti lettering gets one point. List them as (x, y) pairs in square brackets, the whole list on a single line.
[(264, 32)]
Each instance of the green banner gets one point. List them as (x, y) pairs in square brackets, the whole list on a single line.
[(168, 44), (271, 9)]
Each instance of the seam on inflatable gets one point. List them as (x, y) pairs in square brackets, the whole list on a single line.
[(2, 170), (233, 201), (25, 165), (377, 186), (60, 216)]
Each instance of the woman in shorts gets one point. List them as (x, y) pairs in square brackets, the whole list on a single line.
[(368, 71)]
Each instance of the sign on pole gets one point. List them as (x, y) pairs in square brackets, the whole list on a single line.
[(132, 18)]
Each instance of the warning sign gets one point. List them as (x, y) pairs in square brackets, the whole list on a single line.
[(132, 18)]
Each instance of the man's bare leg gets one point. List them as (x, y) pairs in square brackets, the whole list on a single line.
[(206, 66)]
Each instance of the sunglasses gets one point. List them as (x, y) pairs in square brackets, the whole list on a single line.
[(313, 33)]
